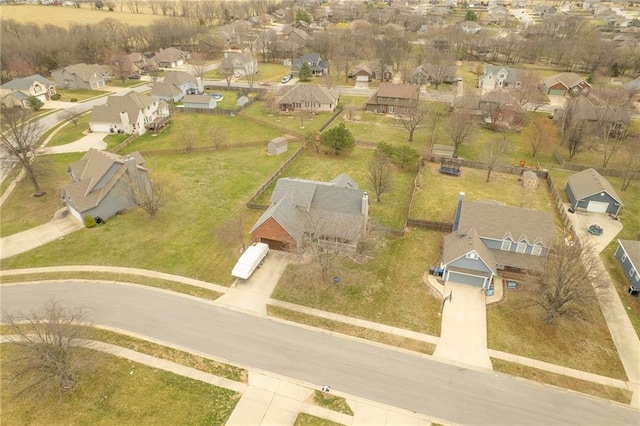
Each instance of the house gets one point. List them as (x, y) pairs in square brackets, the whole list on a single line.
[(425, 74), (590, 191), (496, 107), (497, 15), (104, 184), (131, 113), (373, 71), (628, 254), (319, 66), (394, 98), (363, 70), (497, 76), (488, 238), (15, 93), (199, 102), (277, 146), (519, 4), (176, 85), (634, 87), (595, 118), (334, 213), (242, 63), (306, 98), (171, 58), (469, 27), (565, 83), (80, 76)]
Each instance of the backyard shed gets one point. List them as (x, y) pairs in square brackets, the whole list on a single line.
[(592, 192), (529, 180), (199, 102), (242, 101), (277, 146)]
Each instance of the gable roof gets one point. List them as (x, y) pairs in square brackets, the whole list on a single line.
[(85, 72), (279, 141), (25, 83), (401, 91), (197, 99), (179, 77), (165, 89), (632, 248), (130, 103), (589, 182), (90, 170), (568, 79), (457, 244), (513, 74), (290, 94), (499, 222), (170, 54)]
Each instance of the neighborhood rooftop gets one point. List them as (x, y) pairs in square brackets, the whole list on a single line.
[(589, 182)]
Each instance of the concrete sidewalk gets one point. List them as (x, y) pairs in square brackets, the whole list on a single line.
[(61, 225)]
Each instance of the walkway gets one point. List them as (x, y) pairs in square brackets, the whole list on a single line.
[(61, 225), (84, 144), (269, 399)]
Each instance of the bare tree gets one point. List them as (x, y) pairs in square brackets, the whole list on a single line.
[(226, 68), (631, 163), (149, 194), (440, 67), (460, 128), (494, 152), (569, 277), (572, 127), (198, 64), (188, 136), (529, 88), (251, 71), (18, 140), (539, 134), (380, 174), (47, 360), (217, 136), (413, 118), (232, 231), (120, 63), (611, 106), (71, 115)]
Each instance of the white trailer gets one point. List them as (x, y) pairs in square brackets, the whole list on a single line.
[(250, 260)]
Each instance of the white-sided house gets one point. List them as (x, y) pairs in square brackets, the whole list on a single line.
[(15, 93), (81, 76), (166, 92), (278, 146), (131, 113), (590, 191), (199, 102), (103, 184), (306, 98), (242, 63), (188, 84), (499, 77), (171, 57), (488, 238)]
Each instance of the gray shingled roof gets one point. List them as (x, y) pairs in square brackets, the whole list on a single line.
[(84, 71), (25, 82), (498, 222), (279, 141), (89, 188), (513, 74), (569, 79), (197, 99), (165, 89), (291, 94), (179, 77), (458, 244), (131, 103), (632, 248), (401, 91), (589, 182)]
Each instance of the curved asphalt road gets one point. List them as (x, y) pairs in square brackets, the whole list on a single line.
[(393, 377)]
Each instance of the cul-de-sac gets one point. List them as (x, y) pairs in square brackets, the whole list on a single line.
[(320, 212)]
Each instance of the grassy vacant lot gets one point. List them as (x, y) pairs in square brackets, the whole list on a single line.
[(80, 94), (437, 196), (21, 211), (119, 391), (236, 131), (299, 122), (387, 289), (271, 73), (517, 328), (391, 212), (66, 16), (70, 133), (205, 192)]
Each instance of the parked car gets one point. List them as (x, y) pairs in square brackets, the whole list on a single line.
[(286, 78), (134, 77)]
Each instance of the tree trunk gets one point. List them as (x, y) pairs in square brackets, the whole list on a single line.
[(31, 175)]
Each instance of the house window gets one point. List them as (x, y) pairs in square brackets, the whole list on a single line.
[(472, 255), (632, 272), (624, 257), (537, 250), (506, 245), (522, 247)]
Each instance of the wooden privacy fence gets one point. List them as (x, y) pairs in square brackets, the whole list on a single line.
[(429, 224), (580, 167)]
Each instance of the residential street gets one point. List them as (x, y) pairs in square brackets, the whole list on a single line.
[(395, 377)]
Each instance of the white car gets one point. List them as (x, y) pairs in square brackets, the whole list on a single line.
[(286, 78)]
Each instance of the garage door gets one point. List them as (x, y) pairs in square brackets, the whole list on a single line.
[(597, 206), (75, 213), (275, 245), (464, 279)]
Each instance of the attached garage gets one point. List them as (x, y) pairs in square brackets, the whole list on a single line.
[(462, 276), (275, 245), (75, 213)]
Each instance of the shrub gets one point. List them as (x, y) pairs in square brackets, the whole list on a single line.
[(73, 100), (56, 97), (89, 221)]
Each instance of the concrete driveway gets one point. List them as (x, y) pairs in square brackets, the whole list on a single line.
[(463, 334), (582, 220), (90, 140), (61, 225), (253, 294)]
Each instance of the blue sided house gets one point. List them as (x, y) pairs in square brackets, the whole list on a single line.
[(628, 254), (488, 238), (590, 191)]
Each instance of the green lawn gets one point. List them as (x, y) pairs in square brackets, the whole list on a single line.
[(80, 94), (117, 82), (70, 133), (305, 419), (390, 212), (230, 100), (269, 73), (114, 139), (298, 122), (21, 210), (119, 391), (206, 191), (236, 130), (386, 289), (437, 196)]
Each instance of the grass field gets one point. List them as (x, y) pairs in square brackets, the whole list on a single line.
[(298, 122), (66, 16), (70, 132), (80, 94), (230, 98), (119, 391)]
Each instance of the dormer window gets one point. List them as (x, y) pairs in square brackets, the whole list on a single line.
[(506, 245), (522, 247), (536, 250)]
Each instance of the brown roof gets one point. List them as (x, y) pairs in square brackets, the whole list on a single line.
[(290, 94), (589, 182), (568, 79), (401, 91), (498, 222)]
